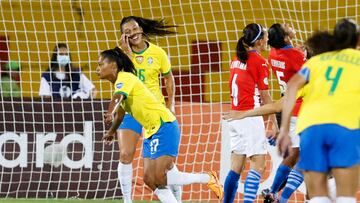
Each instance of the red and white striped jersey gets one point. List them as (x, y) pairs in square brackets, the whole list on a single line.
[(246, 79)]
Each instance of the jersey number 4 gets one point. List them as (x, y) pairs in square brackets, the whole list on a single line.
[(335, 79)]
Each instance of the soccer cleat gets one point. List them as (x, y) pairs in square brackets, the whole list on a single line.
[(268, 196), (215, 185)]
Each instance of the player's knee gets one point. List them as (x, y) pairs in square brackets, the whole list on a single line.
[(126, 156)]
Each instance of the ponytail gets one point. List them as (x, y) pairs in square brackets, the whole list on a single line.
[(150, 27), (251, 33), (241, 50), (123, 62)]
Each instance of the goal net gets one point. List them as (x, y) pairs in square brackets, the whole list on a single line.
[(53, 149)]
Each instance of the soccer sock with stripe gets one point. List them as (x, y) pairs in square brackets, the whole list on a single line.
[(230, 186), (293, 182), (280, 177), (125, 174), (251, 186)]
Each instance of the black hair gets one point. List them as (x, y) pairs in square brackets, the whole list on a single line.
[(277, 36), (150, 27), (346, 35), (123, 62), (251, 33), (54, 63)]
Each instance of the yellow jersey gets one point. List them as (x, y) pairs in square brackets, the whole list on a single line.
[(150, 63), (332, 95), (141, 103)]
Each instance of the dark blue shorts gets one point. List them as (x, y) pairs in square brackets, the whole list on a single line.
[(327, 146), (165, 142), (130, 123)]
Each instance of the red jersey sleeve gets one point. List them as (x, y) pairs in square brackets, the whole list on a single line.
[(297, 60), (262, 74)]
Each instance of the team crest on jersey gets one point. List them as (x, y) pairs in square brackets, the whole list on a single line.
[(150, 60), (119, 85), (266, 81), (139, 59)]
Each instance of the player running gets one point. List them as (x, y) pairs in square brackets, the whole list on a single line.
[(162, 135), (150, 61)]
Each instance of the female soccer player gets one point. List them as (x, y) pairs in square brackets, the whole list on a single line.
[(162, 135), (248, 83), (150, 61), (285, 61), (328, 122)]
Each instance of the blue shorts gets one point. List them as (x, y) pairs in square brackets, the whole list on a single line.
[(165, 142), (327, 146), (130, 123)]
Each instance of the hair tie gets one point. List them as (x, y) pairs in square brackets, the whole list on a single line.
[(258, 35)]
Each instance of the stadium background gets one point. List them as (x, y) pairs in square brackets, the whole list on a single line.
[(199, 54)]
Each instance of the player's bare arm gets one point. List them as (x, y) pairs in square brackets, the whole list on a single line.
[(295, 83), (261, 111), (170, 90), (120, 113), (266, 99)]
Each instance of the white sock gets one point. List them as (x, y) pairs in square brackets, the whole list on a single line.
[(320, 200), (176, 189), (175, 177), (343, 199), (165, 195), (125, 174), (332, 189)]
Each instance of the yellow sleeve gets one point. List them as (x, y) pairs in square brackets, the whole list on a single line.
[(165, 63), (124, 85), (301, 92)]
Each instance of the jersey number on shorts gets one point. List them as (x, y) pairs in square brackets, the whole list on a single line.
[(335, 79), (153, 145), (234, 90)]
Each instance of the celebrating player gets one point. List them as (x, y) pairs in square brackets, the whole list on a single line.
[(162, 135), (150, 61), (329, 117), (248, 83)]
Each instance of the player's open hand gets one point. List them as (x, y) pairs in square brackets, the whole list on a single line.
[(108, 118), (109, 137), (233, 115), (284, 143), (124, 44)]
